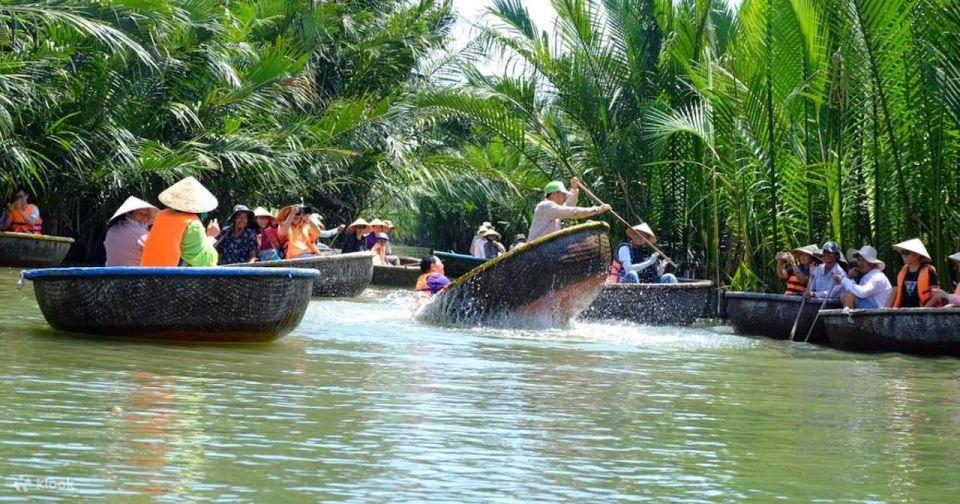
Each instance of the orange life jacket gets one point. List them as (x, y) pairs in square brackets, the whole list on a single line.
[(924, 291), (162, 247), (19, 224), (794, 286), (301, 239)]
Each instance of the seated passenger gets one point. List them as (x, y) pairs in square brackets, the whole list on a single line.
[(354, 241), (268, 239), (298, 231), (917, 278), (238, 240), (492, 248), (631, 264), (794, 269), (127, 232), (950, 300), (22, 217), (872, 287), (177, 235), (380, 249), (518, 240), (823, 283)]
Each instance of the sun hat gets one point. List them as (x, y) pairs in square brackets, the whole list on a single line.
[(491, 232), (134, 203), (913, 245), (645, 229), (189, 196), (830, 247), (383, 236), (868, 254), (377, 222), (555, 186), (955, 257), (357, 223), (811, 250), (263, 212), (482, 229), (486, 224), (286, 211), (388, 224)]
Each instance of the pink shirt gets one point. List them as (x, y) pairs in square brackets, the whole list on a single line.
[(124, 243), (265, 243)]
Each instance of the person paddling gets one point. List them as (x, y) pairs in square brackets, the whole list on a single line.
[(873, 287), (950, 300), (794, 269), (127, 232), (632, 262), (177, 234), (917, 278), (559, 204), (822, 282)]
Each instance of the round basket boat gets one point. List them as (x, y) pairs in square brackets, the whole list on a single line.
[(923, 331), (396, 276), (32, 250), (545, 283), (772, 315), (174, 304), (341, 275), (654, 304), (457, 265)]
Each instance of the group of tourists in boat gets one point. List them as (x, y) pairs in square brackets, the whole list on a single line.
[(816, 272)]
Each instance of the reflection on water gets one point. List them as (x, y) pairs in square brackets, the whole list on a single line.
[(363, 403)]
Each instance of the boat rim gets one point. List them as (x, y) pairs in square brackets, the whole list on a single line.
[(137, 271), (38, 237), (765, 296), (879, 312), (309, 260), (690, 283)]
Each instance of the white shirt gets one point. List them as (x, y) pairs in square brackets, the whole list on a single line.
[(476, 247), (874, 286), (547, 215), (822, 284)]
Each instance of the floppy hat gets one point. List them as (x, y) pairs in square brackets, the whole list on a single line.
[(811, 250), (486, 224), (134, 203), (868, 254), (955, 257), (482, 229), (263, 212), (491, 232), (645, 229), (357, 223), (913, 245), (285, 212), (555, 186), (189, 196), (251, 217)]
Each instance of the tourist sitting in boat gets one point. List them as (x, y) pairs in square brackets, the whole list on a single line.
[(917, 277), (21, 216), (950, 300), (392, 259), (354, 241), (299, 233), (559, 204), (269, 239), (380, 249), (794, 269), (633, 263), (237, 242), (127, 232), (432, 278), (518, 240), (479, 243), (375, 227), (492, 248), (865, 285), (177, 236), (823, 282)]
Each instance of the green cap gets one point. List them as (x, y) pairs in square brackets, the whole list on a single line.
[(552, 187)]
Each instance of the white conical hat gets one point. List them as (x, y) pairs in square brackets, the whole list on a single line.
[(377, 222), (189, 196), (955, 257), (868, 254), (645, 229), (134, 203), (913, 245), (357, 223)]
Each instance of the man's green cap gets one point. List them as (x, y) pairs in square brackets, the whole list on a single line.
[(552, 187)]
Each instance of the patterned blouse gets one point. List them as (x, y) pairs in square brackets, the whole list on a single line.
[(237, 249)]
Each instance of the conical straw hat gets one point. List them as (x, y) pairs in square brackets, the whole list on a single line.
[(377, 222), (357, 223), (955, 257), (189, 196), (645, 229), (134, 203), (913, 245)]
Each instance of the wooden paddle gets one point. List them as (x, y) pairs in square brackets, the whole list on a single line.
[(817, 317), (598, 202), (793, 330)]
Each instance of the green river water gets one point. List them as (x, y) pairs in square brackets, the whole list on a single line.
[(363, 404)]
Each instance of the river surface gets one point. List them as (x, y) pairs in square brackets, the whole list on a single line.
[(363, 404)]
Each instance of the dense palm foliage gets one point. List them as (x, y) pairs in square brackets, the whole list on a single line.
[(736, 133)]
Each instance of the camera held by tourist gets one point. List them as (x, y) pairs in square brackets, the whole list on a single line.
[(127, 232), (298, 232), (178, 236), (794, 269)]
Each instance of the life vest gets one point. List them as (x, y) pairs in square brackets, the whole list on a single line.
[(431, 283), (617, 271), (162, 247), (795, 286), (19, 224), (422, 285), (301, 239), (923, 285)]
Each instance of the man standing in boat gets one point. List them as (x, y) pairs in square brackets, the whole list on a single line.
[(559, 204)]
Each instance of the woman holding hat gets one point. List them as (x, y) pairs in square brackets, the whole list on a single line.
[(950, 300), (559, 204), (917, 277), (633, 264), (823, 282), (478, 244), (127, 232), (269, 239), (354, 241), (238, 241), (492, 248), (873, 287), (794, 269), (177, 233)]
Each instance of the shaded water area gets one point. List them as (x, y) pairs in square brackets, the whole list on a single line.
[(361, 403)]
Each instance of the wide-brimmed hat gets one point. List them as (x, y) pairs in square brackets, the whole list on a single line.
[(285, 212), (377, 222), (383, 236), (645, 229), (913, 245), (868, 254), (555, 186), (486, 224), (491, 232), (955, 257), (357, 223), (388, 224), (811, 250), (482, 229), (189, 196), (263, 212), (251, 217), (134, 203)]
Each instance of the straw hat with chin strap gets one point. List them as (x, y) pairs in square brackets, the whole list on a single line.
[(132, 204), (189, 196), (916, 246), (868, 254), (646, 230)]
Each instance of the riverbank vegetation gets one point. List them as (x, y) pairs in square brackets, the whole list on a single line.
[(735, 132)]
